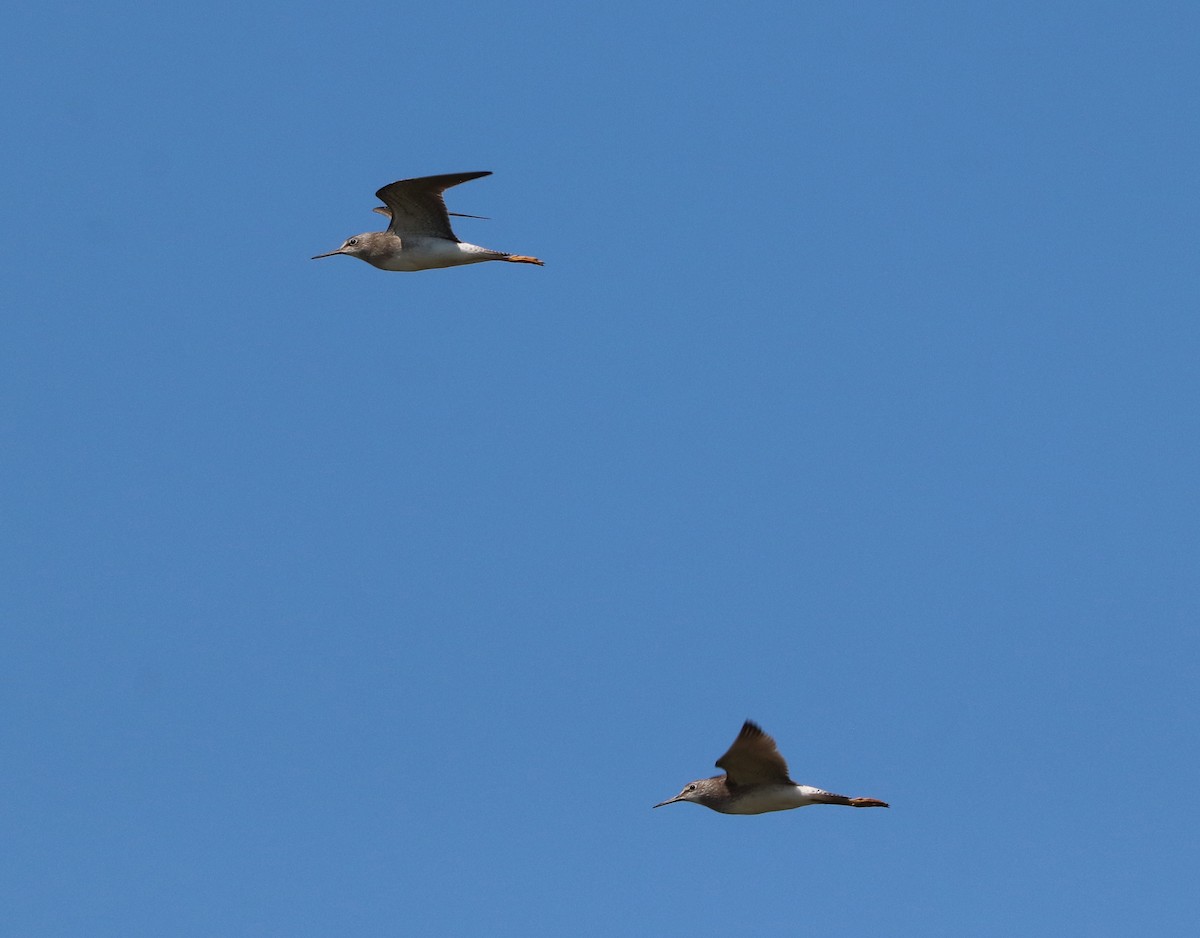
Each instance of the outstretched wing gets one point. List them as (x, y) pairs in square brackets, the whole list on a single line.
[(417, 207), (753, 759), (387, 213)]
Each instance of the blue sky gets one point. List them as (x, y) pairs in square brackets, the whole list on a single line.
[(858, 396)]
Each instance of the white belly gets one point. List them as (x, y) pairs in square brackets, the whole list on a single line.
[(775, 798), (427, 255)]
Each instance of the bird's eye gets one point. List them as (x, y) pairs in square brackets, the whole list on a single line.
[(691, 787), (352, 241)]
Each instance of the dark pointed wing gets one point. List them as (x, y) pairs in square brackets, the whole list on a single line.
[(753, 759), (417, 207), (387, 213)]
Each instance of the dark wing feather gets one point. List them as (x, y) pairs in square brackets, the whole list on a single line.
[(753, 759), (387, 213), (417, 206)]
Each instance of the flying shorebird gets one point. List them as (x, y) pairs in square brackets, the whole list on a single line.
[(756, 781), (419, 237)]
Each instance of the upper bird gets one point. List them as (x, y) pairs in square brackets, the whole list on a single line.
[(756, 781), (419, 237)]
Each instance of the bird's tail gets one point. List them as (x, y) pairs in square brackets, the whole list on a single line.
[(826, 797)]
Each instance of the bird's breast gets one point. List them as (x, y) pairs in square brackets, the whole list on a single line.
[(430, 253), (763, 798)]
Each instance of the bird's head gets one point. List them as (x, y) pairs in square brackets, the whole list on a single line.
[(355, 247), (702, 791)]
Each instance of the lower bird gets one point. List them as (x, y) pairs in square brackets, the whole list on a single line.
[(419, 236), (756, 781)]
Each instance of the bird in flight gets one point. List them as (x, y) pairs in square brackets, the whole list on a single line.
[(756, 781), (419, 236)]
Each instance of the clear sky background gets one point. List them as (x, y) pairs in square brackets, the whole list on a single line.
[(858, 396)]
